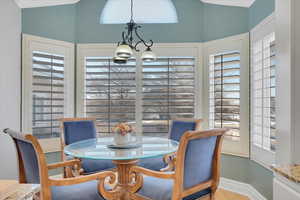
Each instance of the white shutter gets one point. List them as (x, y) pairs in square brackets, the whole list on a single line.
[(224, 92), (47, 88), (263, 92), (47, 93), (168, 93), (263, 96), (110, 92)]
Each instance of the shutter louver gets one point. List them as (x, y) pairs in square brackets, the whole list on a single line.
[(47, 94), (264, 93), (224, 92), (168, 93), (110, 92)]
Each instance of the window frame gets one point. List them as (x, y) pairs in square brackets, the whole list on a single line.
[(161, 49), (265, 28), (235, 43), (32, 43)]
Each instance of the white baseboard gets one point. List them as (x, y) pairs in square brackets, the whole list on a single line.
[(241, 188)]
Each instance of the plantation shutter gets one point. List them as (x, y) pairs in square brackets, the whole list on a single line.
[(110, 92), (168, 93), (224, 92), (47, 93), (263, 71)]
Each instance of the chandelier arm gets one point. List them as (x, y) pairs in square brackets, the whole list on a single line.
[(141, 39), (136, 45), (124, 37)]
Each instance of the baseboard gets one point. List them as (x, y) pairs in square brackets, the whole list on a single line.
[(241, 188)]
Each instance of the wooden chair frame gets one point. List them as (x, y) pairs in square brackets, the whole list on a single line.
[(178, 175), (170, 159), (45, 181), (67, 172)]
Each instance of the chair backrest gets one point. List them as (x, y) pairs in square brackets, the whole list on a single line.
[(198, 159), (180, 126), (30, 157), (77, 129)]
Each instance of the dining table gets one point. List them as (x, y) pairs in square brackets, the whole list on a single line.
[(124, 157)]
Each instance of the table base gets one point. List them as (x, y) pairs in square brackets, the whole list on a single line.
[(126, 184)]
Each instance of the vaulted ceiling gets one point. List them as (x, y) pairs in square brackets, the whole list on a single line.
[(41, 3)]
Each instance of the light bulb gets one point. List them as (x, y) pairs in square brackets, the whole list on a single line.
[(124, 51), (148, 55), (119, 60)]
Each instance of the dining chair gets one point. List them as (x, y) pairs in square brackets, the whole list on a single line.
[(78, 129), (197, 170), (33, 169), (177, 128)]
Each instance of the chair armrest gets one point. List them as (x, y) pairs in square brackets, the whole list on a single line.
[(170, 160), (68, 163), (148, 172), (83, 179), (169, 157)]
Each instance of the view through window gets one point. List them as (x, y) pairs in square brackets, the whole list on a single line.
[(110, 92), (47, 94), (224, 92), (168, 93)]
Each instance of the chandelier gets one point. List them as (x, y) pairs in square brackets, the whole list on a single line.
[(131, 39)]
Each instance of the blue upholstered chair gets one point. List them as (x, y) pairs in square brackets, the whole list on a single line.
[(78, 129), (197, 170), (177, 129), (34, 169)]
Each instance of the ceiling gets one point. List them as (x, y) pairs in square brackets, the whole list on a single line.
[(41, 3), (240, 3)]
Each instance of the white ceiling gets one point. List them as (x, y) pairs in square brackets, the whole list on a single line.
[(40, 3), (240, 3)]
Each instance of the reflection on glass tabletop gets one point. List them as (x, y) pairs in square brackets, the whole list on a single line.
[(98, 149)]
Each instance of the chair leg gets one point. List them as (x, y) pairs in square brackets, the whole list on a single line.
[(213, 195)]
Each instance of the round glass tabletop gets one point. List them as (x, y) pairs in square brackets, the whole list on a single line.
[(98, 149)]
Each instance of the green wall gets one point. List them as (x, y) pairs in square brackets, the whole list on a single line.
[(223, 21), (198, 22), (247, 171), (90, 31), (55, 22), (259, 10)]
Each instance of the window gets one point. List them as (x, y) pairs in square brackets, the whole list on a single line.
[(224, 92), (148, 94), (47, 94), (158, 11), (110, 92), (227, 92), (47, 88), (168, 93), (263, 92)]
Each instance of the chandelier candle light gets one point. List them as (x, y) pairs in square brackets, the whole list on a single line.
[(125, 48)]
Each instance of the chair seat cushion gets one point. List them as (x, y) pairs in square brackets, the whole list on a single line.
[(92, 166), (161, 189), (88, 190), (155, 164)]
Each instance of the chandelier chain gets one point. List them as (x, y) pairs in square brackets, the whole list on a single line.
[(131, 18)]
